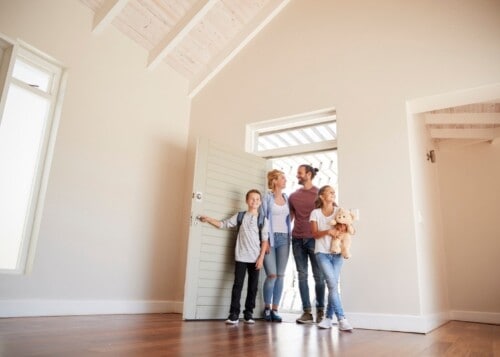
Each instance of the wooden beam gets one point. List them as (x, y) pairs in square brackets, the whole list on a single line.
[(462, 118), (107, 13), (179, 32), (251, 30), (471, 133), (453, 144)]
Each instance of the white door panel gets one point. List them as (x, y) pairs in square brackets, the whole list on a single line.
[(222, 176)]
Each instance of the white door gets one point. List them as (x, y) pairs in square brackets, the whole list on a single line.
[(222, 176)]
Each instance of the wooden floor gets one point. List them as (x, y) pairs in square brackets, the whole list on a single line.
[(169, 335)]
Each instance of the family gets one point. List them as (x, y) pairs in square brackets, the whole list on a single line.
[(263, 240)]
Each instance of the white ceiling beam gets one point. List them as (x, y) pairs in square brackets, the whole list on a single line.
[(272, 8), (107, 13), (192, 18), (471, 133), (453, 144), (462, 118)]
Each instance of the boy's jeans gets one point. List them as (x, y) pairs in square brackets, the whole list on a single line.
[(239, 278)]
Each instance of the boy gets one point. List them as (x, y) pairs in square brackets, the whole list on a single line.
[(249, 255)]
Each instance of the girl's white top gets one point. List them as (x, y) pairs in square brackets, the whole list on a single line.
[(323, 244)]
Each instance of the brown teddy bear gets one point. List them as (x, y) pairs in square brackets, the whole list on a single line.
[(342, 222)]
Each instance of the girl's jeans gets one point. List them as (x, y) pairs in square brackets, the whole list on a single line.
[(331, 265), (275, 264)]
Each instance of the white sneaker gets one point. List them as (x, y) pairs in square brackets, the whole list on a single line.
[(325, 323), (232, 320), (344, 325)]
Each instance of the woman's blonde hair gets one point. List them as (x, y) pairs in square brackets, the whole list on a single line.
[(272, 176)]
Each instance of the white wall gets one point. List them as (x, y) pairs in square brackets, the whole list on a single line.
[(366, 59), (109, 237), (432, 278), (469, 183)]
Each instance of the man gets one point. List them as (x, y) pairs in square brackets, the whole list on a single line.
[(302, 202)]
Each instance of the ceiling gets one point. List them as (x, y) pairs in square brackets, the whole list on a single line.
[(197, 38), (464, 125)]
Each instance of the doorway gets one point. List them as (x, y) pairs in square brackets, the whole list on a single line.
[(287, 143)]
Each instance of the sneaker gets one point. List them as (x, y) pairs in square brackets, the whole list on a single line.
[(325, 323), (232, 320), (275, 317), (248, 318), (267, 315), (344, 325), (306, 318), (320, 314)]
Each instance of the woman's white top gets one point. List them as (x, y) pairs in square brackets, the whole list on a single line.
[(280, 212)]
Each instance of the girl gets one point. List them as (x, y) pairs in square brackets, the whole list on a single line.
[(330, 263)]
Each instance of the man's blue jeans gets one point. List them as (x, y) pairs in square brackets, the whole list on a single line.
[(303, 249), (331, 264)]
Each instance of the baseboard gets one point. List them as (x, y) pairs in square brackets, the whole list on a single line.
[(476, 316), (401, 323), (25, 308)]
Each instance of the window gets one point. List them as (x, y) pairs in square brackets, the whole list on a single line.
[(29, 103), (301, 139)]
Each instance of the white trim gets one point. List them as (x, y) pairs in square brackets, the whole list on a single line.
[(400, 323), (41, 307), (476, 316), (485, 93)]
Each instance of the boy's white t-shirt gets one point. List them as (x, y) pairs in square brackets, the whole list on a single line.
[(247, 248), (323, 244)]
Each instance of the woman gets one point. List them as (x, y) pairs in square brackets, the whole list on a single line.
[(275, 208), (329, 263)]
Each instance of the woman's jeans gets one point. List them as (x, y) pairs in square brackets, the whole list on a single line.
[(303, 249), (275, 265), (330, 265)]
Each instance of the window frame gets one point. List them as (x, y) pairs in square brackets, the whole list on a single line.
[(11, 51)]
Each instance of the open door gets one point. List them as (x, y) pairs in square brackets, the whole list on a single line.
[(222, 176)]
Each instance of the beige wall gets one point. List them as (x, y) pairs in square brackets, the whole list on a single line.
[(469, 182), (367, 59), (110, 227)]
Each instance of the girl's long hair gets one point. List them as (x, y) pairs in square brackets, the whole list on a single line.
[(319, 203)]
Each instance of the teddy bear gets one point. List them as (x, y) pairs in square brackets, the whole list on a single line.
[(342, 222)]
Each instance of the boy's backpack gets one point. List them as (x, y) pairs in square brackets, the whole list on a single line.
[(260, 222)]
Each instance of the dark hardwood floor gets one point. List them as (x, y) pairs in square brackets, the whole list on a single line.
[(169, 335)]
